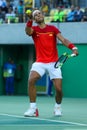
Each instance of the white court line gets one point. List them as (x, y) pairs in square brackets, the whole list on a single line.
[(43, 119)]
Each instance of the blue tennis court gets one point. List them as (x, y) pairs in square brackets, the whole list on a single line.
[(13, 107)]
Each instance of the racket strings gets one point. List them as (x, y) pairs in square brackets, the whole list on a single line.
[(61, 60)]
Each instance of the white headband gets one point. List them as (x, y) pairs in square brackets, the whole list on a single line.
[(36, 11)]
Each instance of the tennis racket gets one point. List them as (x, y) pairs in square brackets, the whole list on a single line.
[(62, 59)]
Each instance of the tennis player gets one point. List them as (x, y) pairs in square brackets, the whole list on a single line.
[(44, 37)]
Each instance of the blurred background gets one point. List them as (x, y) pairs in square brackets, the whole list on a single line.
[(70, 16)]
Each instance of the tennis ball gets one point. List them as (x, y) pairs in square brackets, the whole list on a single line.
[(28, 11)]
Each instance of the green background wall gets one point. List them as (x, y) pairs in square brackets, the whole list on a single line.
[(75, 73), (20, 54), (74, 70)]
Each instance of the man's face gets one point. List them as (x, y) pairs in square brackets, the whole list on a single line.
[(38, 17)]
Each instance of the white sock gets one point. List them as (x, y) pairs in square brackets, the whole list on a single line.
[(57, 105), (33, 105)]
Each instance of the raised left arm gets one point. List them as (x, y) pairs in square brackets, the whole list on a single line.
[(67, 43)]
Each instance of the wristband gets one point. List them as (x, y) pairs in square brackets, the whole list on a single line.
[(72, 46), (29, 23)]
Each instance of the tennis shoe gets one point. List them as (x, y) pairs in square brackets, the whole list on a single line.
[(33, 112), (57, 111)]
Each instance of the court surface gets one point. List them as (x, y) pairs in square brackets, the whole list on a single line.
[(12, 109)]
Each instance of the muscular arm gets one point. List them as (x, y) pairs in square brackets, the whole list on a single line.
[(28, 28), (63, 40), (67, 43)]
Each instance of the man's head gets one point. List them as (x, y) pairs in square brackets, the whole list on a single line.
[(10, 60), (38, 16)]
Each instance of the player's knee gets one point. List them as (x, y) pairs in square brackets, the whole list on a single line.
[(32, 80), (59, 89)]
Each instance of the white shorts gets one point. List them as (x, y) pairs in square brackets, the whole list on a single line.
[(43, 68)]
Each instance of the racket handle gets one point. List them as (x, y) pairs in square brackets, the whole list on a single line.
[(72, 55)]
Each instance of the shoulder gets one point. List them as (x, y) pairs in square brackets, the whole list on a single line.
[(35, 27), (54, 28), (51, 26)]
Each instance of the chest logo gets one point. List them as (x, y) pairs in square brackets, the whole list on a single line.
[(50, 34)]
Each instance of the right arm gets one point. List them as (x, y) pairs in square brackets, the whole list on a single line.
[(28, 29)]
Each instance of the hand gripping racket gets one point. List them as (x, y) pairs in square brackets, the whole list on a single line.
[(62, 59)]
